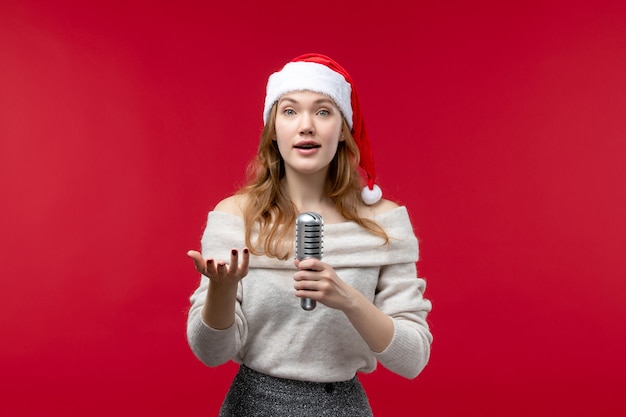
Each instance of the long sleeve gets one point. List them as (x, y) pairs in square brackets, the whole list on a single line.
[(214, 347), (396, 291), (400, 296)]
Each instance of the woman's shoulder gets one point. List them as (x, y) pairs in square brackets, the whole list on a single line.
[(375, 210), (233, 204)]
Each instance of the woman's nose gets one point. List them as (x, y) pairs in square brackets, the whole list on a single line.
[(306, 124)]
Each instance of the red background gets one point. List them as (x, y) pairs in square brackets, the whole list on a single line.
[(500, 126)]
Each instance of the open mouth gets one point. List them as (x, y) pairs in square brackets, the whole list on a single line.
[(307, 146)]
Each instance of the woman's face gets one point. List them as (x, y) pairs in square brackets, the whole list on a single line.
[(308, 129)]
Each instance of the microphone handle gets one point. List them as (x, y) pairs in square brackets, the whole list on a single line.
[(309, 229), (307, 304)]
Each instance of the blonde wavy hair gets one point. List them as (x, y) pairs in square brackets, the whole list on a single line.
[(268, 207)]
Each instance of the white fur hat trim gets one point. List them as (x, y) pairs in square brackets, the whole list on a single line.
[(311, 76)]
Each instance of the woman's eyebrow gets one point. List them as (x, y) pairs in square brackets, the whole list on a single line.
[(318, 101), (324, 100)]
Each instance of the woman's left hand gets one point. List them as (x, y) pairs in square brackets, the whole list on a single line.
[(319, 281)]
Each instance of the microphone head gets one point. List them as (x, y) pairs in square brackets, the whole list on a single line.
[(309, 235)]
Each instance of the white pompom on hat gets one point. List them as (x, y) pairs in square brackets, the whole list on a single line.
[(320, 74)]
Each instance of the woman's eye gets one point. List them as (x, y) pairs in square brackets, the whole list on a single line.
[(323, 112), (289, 112)]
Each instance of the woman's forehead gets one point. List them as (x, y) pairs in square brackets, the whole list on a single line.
[(306, 95)]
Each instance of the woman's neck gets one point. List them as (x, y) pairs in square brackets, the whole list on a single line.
[(305, 197), (307, 192)]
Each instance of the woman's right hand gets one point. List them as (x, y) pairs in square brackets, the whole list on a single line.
[(221, 272), (219, 309)]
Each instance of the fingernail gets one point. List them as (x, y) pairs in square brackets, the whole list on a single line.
[(209, 261), (234, 252), (245, 251)]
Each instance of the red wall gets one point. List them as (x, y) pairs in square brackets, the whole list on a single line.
[(501, 127)]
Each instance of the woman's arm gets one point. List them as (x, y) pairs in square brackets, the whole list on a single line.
[(219, 309), (375, 327), (319, 281), (216, 327), (393, 322), (400, 295)]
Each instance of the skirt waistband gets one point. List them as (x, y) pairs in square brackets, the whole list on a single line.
[(292, 385)]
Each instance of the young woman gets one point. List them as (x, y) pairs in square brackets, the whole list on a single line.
[(370, 305)]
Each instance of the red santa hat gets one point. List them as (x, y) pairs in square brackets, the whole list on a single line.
[(320, 74)]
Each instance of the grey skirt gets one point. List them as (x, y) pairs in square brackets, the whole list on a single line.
[(253, 394)]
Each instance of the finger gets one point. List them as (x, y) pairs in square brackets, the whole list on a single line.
[(221, 268), (306, 275), (195, 255), (245, 262), (234, 257), (307, 286), (309, 264), (197, 260), (210, 267)]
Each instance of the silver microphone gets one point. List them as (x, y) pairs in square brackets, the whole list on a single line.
[(309, 243)]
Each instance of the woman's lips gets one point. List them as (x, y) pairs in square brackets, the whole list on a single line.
[(307, 145), (307, 148)]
